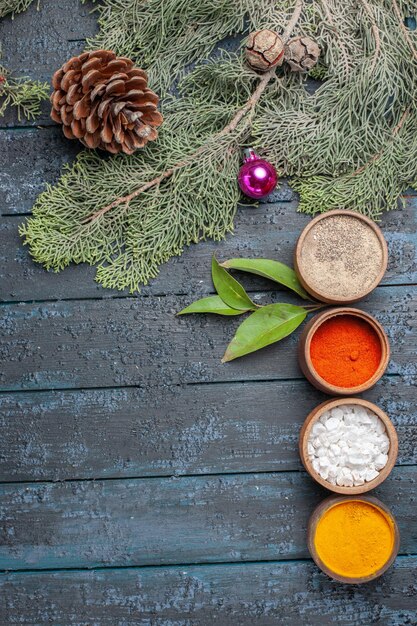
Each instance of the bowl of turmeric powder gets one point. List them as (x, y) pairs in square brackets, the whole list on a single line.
[(353, 539), (343, 351)]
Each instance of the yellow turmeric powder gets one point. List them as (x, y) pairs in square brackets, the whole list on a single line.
[(354, 538)]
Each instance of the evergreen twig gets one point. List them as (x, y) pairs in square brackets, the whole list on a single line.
[(375, 32), (404, 28), (14, 6), (229, 128), (338, 141), (23, 94)]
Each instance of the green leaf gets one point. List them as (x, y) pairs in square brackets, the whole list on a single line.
[(229, 290), (274, 270), (267, 325), (212, 304)]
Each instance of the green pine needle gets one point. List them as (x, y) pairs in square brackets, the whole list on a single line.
[(23, 94), (13, 6), (349, 144)]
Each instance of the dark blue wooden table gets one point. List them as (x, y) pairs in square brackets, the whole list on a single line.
[(142, 482)]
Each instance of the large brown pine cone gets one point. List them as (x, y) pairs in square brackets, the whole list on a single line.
[(104, 101)]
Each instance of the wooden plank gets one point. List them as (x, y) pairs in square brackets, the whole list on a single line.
[(268, 594), (29, 160), (141, 342), (35, 43), (196, 429), (21, 279), (156, 521)]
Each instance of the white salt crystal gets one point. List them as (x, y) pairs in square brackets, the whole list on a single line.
[(332, 423), (324, 473), (384, 445), (356, 460), (334, 436), (381, 461), (333, 470), (371, 474), (339, 481), (324, 440), (337, 413), (318, 428), (364, 417), (316, 465), (380, 427), (349, 420)]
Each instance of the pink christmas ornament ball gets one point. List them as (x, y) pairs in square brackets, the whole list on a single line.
[(257, 177)]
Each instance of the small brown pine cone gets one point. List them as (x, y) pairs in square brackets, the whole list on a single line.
[(264, 50), (301, 53), (104, 101)]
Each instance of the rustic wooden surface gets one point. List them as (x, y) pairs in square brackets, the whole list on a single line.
[(142, 482)]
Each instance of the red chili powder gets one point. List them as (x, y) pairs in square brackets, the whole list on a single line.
[(345, 350)]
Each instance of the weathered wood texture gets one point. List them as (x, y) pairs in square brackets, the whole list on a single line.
[(36, 43), (268, 594), (153, 521), (113, 387), (140, 341), (29, 159), (269, 231), (196, 429)]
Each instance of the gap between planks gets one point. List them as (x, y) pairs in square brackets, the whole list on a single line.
[(19, 572), (180, 294), (175, 476), (235, 381)]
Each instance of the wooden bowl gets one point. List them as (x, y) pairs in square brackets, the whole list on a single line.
[(331, 404), (311, 531), (322, 295), (306, 364)]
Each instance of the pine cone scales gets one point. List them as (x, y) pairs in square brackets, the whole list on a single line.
[(104, 101), (302, 53)]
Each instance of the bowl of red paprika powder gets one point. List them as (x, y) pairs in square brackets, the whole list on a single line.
[(343, 351)]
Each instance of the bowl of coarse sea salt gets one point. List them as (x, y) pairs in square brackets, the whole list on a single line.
[(348, 445)]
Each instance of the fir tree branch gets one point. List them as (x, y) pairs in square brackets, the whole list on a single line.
[(229, 128), (318, 138), (378, 155), (404, 28), (375, 32), (342, 46), (293, 20), (14, 6), (23, 94)]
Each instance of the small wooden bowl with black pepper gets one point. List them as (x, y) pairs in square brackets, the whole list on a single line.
[(340, 257)]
